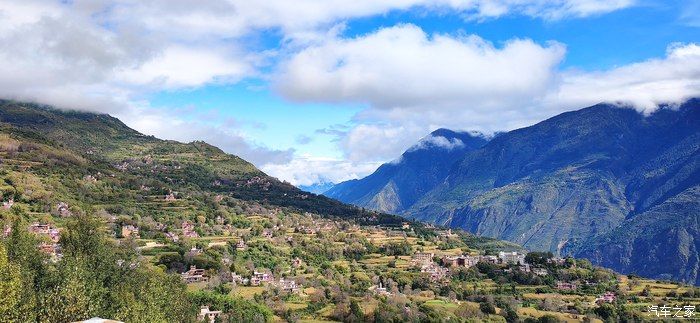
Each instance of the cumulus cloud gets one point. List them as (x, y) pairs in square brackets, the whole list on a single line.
[(402, 66), (178, 67), (644, 85), (413, 83)]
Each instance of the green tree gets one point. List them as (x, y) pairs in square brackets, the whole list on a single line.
[(74, 298), (487, 307), (511, 315), (607, 312), (11, 307)]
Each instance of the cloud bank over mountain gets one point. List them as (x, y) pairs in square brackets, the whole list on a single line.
[(112, 56)]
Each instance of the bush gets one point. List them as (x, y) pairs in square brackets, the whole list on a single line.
[(487, 308)]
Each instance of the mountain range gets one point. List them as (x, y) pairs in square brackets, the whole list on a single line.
[(606, 182)]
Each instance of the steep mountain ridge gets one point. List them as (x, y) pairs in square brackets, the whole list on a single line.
[(395, 186)]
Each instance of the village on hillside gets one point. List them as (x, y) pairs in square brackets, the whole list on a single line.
[(304, 266)]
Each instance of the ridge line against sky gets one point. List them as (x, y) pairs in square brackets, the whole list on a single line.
[(325, 91)]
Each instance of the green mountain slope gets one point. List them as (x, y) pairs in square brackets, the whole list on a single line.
[(51, 156)]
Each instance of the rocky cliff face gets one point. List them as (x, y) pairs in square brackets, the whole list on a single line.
[(663, 242)]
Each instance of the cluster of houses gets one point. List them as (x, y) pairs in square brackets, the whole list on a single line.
[(509, 258), (446, 233), (259, 278), (424, 260), (196, 275), (132, 163), (46, 230), (257, 180), (53, 235), (608, 297), (316, 226), (566, 286), (306, 230), (50, 245), (436, 272), (287, 285)]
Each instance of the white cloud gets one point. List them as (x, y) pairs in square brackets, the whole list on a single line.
[(645, 85), (308, 170), (408, 77), (180, 67), (437, 141), (379, 142), (169, 125), (402, 66)]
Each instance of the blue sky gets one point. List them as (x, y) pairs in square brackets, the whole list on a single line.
[(327, 90)]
